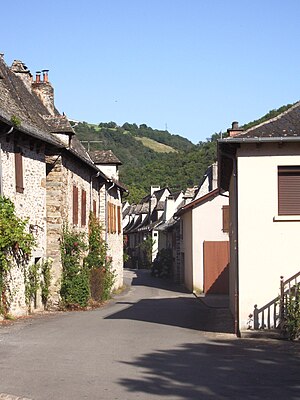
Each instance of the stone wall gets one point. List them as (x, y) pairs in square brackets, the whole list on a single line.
[(115, 241), (65, 172), (31, 205)]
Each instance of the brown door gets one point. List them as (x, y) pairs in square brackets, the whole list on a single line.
[(216, 267)]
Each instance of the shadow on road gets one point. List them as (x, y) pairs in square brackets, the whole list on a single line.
[(174, 310), (143, 278), (220, 369)]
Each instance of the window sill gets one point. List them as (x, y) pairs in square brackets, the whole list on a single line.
[(286, 218)]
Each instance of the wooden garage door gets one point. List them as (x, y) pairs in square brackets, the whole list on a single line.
[(216, 267)]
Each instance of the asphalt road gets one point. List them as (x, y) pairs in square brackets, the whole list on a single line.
[(153, 342)]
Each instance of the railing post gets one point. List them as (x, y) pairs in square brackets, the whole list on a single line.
[(281, 306), (255, 318)]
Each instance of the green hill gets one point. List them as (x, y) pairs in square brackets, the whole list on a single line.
[(155, 157)]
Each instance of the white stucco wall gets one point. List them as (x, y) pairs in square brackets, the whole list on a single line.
[(268, 248), (187, 249)]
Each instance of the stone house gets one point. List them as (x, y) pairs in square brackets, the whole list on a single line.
[(111, 215), (261, 169), (47, 173)]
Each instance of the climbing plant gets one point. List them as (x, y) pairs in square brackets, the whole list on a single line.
[(16, 245), (98, 262), (75, 290)]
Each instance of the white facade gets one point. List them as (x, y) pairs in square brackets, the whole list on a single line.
[(268, 245), (202, 222)]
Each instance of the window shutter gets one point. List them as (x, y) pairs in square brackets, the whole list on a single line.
[(83, 208), (108, 217), (119, 220), (225, 212), (94, 207), (289, 190), (19, 170), (75, 205)]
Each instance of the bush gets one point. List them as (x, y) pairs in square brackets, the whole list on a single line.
[(75, 290), (162, 264), (291, 326)]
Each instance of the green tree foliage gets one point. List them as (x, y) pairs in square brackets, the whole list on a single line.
[(143, 167)]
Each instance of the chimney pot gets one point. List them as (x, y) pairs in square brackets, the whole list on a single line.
[(45, 75), (38, 76), (235, 130), (235, 125)]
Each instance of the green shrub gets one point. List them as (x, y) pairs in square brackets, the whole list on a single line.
[(75, 290), (291, 326)]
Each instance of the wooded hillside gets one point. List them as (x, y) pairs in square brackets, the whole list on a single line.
[(155, 157)]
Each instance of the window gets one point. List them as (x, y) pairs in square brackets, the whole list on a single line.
[(83, 208), (75, 205), (19, 170), (225, 217), (289, 190)]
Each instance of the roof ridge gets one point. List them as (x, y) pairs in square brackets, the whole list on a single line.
[(297, 104)]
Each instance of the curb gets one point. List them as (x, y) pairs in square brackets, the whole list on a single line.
[(4, 396)]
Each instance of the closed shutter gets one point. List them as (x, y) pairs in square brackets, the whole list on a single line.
[(94, 207), (108, 217), (83, 208), (75, 205), (225, 212), (289, 190), (19, 170), (119, 220)]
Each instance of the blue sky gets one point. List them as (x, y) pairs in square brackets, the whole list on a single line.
[(193, 66)]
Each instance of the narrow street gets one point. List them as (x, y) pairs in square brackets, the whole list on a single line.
[(154, 341)]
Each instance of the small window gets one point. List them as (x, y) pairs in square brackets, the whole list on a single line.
[(94, 208), (19, 170), (289, 190), (225, 215)]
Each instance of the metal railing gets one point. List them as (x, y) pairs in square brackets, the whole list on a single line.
[(272, 315)]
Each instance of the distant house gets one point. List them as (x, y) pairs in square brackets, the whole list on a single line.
[(144, 219), (261, 170), (204, 238)]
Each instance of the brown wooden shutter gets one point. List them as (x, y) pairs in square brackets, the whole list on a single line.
[(83, 208), (119, 220), (225, 212), (113, 218), (94, 208), (289, 190), (19, 170), (108, 217), (75, 205)]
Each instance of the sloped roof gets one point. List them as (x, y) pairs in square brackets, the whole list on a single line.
[(285, 126), (104, 157), (197, 202), (16, 101)]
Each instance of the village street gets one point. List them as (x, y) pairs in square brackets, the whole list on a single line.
[(152, 342)]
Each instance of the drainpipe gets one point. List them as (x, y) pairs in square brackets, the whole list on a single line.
[(91, 189), (236, 244), (1, 188)]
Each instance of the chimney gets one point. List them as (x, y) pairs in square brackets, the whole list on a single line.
[(45, 75), (20, 69), (38, 77), (169, 207), (44, 90), (154, 189), (235, 130)]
